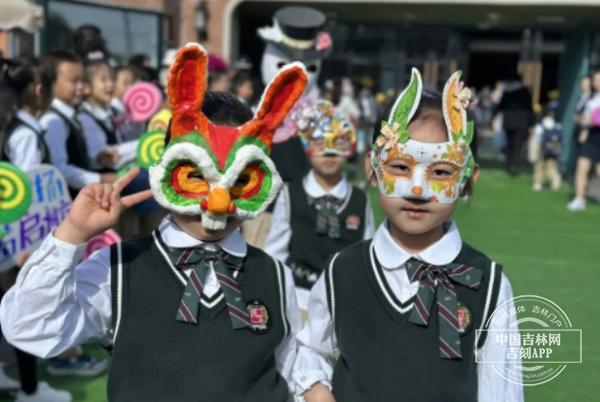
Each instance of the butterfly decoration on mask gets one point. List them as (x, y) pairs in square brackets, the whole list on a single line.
[(323, 132), (435, 172), (220, 172)]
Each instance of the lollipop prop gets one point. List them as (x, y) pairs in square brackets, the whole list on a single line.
[(32, 204), (99, 241), (142, 100), (15, 194), (150, 148)]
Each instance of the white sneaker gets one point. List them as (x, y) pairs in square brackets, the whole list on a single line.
[(44, 393), (537, 187), (7, 383), (577, 204)]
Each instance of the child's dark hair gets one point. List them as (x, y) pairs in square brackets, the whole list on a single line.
[(90, 68), (7, 108), (430, 108), (49, 68), (222, 108), (89, 44), (18, 74), (240, 78), (124, 67)]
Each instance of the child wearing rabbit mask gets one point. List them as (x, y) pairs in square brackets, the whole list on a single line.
[(403, 310), (192, 309)]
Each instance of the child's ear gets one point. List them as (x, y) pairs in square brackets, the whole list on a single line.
[(468, 189), (475, 175), (369, 170), (38, 90)]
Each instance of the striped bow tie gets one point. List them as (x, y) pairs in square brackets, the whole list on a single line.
[(328, 221), (200, 259), (440, 279)]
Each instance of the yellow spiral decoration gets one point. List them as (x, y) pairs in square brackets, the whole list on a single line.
[(15, 193), (150, 148)]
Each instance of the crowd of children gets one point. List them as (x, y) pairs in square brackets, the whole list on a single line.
[(333, 309)]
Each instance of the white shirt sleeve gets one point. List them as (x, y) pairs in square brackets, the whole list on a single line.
[(56, 304), (56, 138), (279, 236), (492, 386), (369, 221), (285, 354), (23, 149), (317, 344)]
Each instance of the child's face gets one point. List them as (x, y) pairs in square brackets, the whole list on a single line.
[(123, 80), (193, 226), (101, 86), (68, 86), (222, 83), (246, 90), (413, 215), (327, 166)]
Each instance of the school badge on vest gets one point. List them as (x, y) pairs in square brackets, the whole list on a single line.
[(353, 222), (465, 318), (259, 317)]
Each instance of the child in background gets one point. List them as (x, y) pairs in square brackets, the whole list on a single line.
[(105, 149), (321, 213), (242, 86), (61, 74), (124, 78), (373, 308), (206, 316), (545, 148), (23, 145)]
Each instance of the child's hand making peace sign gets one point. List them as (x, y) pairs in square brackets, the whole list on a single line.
[(97, 208)]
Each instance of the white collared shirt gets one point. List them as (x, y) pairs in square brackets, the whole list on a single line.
[(58, 302), (22, 146), (317, 339), (280, 232), (95, 136), (117, 105), (56, 138)]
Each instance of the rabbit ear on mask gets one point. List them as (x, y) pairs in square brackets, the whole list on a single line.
[(455, 101), (278, 98), (186, 86)]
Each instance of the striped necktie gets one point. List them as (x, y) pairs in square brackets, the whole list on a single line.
[(200, 259), (328, 221), (438, 282)]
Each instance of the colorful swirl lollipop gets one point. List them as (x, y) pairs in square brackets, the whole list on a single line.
[(99, 241), (15, 193), (150, 148), (142, 101)]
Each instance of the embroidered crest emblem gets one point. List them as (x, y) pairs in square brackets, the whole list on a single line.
[(353, 222), (259, 317), (465, 318)]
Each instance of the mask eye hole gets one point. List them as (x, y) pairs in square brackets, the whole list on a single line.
[(399, 167), (281, 64), (442, 171), (248, 182), (312, 68), (187, 180)]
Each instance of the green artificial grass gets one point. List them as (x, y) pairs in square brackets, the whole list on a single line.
[(545, 250)]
